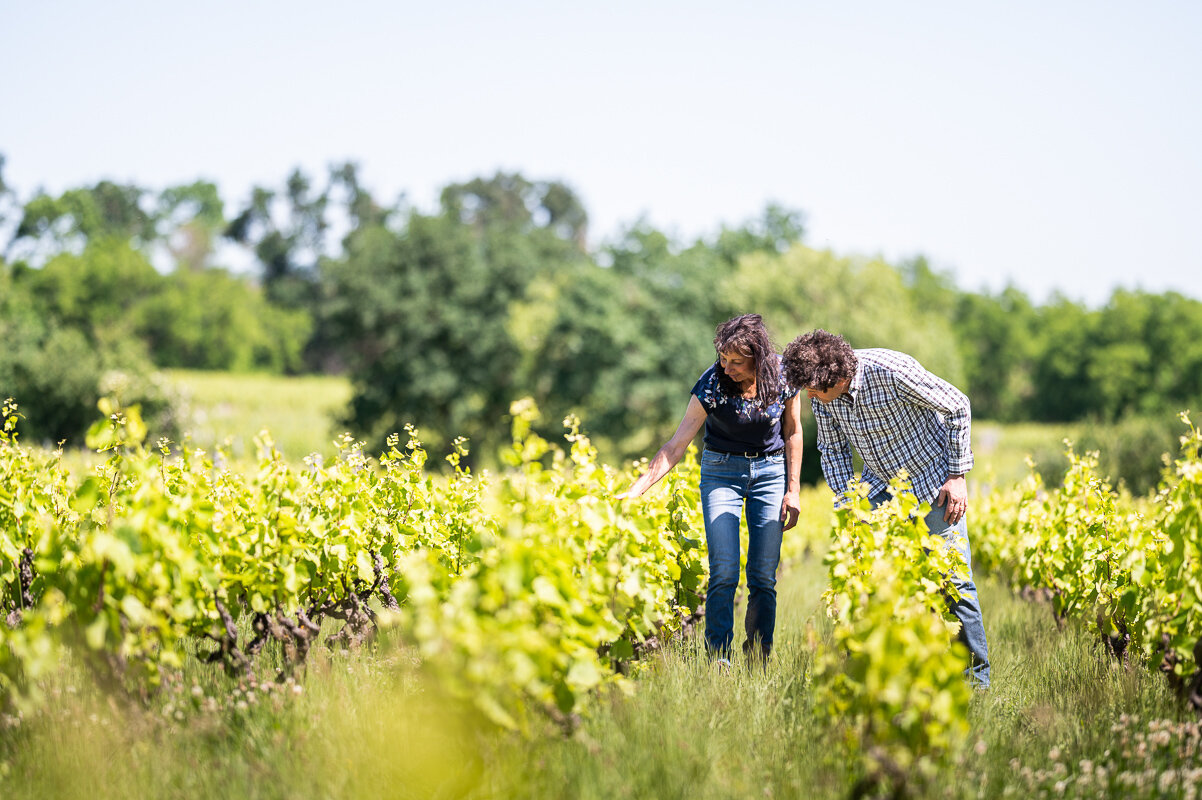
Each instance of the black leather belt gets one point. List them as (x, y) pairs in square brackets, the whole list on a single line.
[(746, 454)]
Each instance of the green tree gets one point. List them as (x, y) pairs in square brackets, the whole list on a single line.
[(286, 232), (1119, 364), (52, 372), (621, 346), (213, 320), (931, 290), (1145, 355), (362, 210), (1064, 388), (436, 319), (92, 292), (865, 301), (776, 230), (1174, 341), (190, 219), (510, 201), (78, 216), (996, 337), (423, 314)]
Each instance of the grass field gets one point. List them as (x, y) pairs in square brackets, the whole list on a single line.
[(298, 411), (1001, 451)]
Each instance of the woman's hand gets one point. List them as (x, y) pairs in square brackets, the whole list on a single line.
[(790, 509), (671, 452)]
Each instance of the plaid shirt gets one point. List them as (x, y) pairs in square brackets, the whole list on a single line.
[(897, 416)]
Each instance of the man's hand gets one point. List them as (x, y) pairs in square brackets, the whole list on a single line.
[(790, 510), (953, 496)]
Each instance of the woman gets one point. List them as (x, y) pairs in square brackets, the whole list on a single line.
[(752, 460)]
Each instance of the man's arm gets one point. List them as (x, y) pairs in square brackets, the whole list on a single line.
[(835, 452), (923, 388)]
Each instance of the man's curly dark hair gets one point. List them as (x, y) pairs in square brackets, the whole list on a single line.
[(818, 360)]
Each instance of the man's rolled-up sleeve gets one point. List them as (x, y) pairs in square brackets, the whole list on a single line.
[(926, 389)]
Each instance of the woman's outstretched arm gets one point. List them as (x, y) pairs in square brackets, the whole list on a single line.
[(671, 453)]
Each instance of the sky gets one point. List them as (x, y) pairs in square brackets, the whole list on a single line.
[(1052, 146)]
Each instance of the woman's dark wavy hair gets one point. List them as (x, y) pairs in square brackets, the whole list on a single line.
[(818, 359), (747, 336)]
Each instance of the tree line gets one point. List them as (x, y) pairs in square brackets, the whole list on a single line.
[(443, 317)]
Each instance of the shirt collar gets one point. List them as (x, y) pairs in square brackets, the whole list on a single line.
[(857, 382)]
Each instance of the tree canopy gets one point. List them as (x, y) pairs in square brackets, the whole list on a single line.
[(443, 317)]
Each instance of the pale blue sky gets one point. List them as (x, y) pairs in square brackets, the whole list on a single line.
[(1055, 145)]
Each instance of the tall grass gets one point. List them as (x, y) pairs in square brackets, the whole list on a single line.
[(365, 724), (694, 732)]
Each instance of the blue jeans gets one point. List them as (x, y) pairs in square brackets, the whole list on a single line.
[(730, 484), (968, 608)]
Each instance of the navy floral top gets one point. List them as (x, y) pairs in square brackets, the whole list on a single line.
[(737, 425)]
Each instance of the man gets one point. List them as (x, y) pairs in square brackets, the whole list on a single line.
[(897, 416)]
